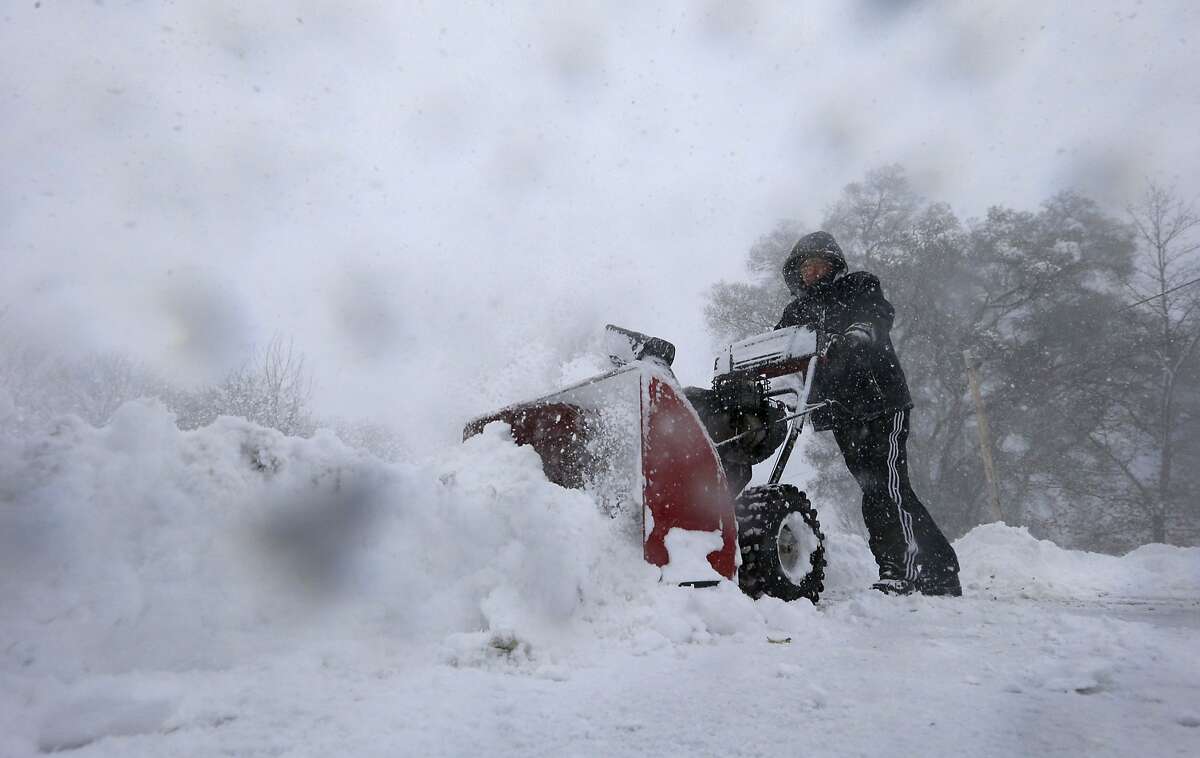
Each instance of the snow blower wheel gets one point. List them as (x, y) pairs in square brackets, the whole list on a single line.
[(783, 549)]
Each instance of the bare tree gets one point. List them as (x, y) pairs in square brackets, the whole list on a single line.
[(286, 387), (25, 372), (737, 309), (875, 214), (43, 385), (1164, 331), (100, 383), (273, 389)]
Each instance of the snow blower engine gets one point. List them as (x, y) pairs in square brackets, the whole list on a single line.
[(673, 462)]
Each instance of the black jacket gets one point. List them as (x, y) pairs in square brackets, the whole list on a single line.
[(864, 382)]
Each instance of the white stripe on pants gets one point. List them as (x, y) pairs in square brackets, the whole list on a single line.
[(910, 553)]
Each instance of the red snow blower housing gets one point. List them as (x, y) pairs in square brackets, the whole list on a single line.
[(674, 461)]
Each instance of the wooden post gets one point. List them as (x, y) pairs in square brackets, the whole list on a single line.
[(985, 437)]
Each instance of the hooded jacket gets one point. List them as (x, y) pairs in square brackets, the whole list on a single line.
[(863, 381)]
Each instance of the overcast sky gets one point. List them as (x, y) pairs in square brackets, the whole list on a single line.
[(440, 200)]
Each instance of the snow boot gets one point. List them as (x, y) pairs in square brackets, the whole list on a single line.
[(895, 586), (947, 586)]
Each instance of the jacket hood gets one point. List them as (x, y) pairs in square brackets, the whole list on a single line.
[(816, 245)]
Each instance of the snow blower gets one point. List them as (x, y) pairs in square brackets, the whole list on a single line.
[(674, 460)]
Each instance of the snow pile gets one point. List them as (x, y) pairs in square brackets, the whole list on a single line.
[(140, 546), (1007, 560)]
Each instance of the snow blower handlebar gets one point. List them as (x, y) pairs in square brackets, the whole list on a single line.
[(742, 375), (797, 422), (770, 355)]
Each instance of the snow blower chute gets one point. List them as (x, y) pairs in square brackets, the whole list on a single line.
[(673, 460)]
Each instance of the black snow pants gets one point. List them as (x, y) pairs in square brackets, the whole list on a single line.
[(906, 542)]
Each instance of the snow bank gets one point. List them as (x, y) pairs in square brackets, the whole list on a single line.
[(1008, 560)]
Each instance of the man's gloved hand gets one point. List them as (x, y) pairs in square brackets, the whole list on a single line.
[(854, 338)]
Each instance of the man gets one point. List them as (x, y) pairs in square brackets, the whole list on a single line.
[(868, 412)]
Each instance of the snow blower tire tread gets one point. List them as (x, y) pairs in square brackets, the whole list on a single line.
[(761, 512)]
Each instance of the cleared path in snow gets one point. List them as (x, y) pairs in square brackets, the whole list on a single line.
[(873, 675)]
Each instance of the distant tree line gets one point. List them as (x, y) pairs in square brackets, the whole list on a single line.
[(1093, 396), (273, 388)]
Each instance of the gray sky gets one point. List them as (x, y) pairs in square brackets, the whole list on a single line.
[(442, 201)]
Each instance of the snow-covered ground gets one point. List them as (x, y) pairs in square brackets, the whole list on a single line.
[(230, 591)]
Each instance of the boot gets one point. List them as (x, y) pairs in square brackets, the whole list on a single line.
[(895, 586)]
